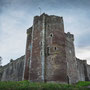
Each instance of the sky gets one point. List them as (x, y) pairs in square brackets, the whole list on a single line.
[(16, 16)]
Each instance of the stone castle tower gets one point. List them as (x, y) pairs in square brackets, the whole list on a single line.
[(50, 55)]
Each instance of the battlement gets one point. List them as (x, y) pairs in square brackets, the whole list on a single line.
[(29, 30), (44, 14), (52, 18), (84, 61), (69, 35), (81, 61)]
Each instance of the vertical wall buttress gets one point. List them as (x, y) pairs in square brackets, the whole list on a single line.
[(72, 70), (43, 49), (27, 55)]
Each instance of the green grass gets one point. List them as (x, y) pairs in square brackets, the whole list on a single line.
[(26, 85), (83, 83)]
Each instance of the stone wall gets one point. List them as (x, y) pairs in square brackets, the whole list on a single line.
[(47, 55), (83, 70), (1, 71), (88, 71), (50, 54), (13, 71), (56, 65), (27, 55), (72, 71), (36, 63)]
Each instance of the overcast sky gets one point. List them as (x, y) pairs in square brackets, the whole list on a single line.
[(16, 16)]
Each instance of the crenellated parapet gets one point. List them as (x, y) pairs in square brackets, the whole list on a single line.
[(69, 36), (29, 31)]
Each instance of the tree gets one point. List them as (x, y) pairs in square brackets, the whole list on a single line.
[(0, 61)]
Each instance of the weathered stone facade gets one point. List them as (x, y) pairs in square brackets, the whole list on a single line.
[(83, 70), (47, 60), (49, 57), (13, 71), (72, 71), (50, 54)]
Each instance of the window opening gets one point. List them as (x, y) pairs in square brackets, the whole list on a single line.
[(51, 34), (41, 43), (48, 50), (55, 48)]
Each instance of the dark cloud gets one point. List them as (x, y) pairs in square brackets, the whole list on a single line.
[(45, 3), (17, 16), (1, 5)]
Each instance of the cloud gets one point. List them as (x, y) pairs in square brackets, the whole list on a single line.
[(13, 34), (17, 15), (83, 53), (84, 39)]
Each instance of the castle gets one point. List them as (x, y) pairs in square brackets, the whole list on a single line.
[(49, 57)]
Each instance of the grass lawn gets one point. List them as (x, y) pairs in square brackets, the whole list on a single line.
[(26, 85)]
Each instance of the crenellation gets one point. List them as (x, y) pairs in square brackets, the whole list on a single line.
[(29, 31), (70, 36)]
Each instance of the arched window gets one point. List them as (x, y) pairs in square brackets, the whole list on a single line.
[(51, 35)]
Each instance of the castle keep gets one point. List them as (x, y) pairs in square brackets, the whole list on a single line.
[(49, 57)]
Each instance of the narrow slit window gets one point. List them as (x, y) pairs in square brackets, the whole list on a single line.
[(48, 26), (41, 43), (51, 35), (41, 52), (55, 48), (48, 50)]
